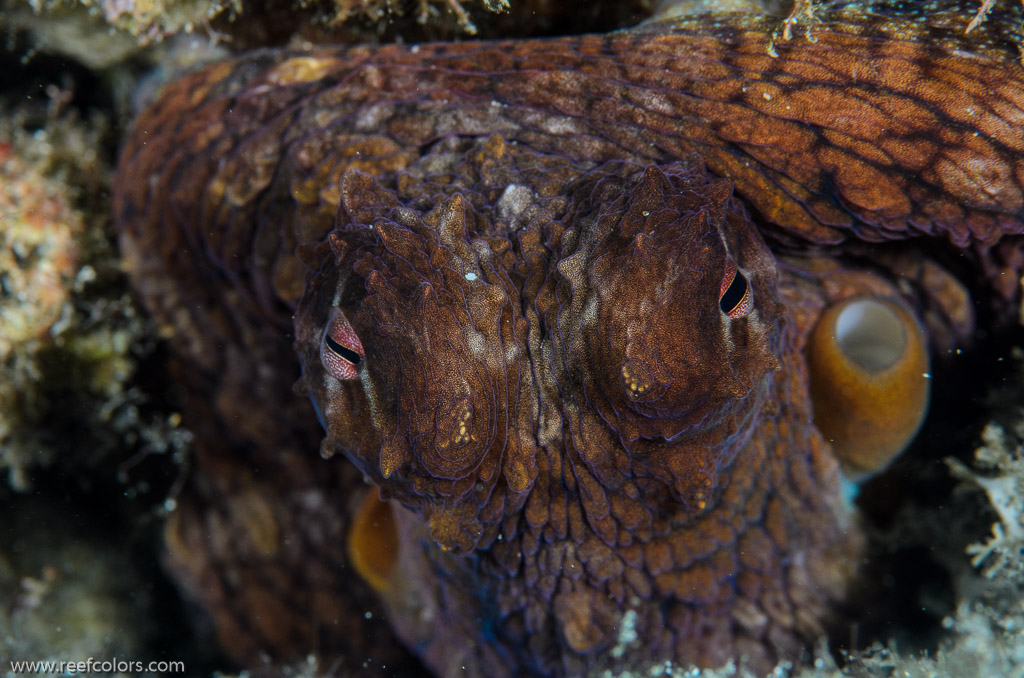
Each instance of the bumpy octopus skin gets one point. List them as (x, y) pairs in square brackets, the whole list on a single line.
[(529, 290)]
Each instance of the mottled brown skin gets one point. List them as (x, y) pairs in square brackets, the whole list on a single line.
[(530, 239)]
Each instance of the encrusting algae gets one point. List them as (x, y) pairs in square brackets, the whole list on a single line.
[(40, 238)]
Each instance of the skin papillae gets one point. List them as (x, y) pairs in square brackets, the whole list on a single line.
[(594, 461)]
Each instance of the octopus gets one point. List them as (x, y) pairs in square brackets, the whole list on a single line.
[(593, 334)]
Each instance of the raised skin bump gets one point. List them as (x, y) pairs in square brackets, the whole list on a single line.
[(548, 382)]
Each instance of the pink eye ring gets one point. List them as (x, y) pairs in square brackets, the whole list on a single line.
[(341, 352)]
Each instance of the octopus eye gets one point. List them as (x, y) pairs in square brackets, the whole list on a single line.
[(341, 352), (734, 297)]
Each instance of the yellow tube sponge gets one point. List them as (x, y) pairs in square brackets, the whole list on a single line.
[(870, 384), (373, 542)]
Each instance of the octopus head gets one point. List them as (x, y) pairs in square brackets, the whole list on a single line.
[(442, 359), (413, 352), (671, 317)]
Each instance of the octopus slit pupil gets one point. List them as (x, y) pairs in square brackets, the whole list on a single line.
[(345, 353), (733, 296)]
